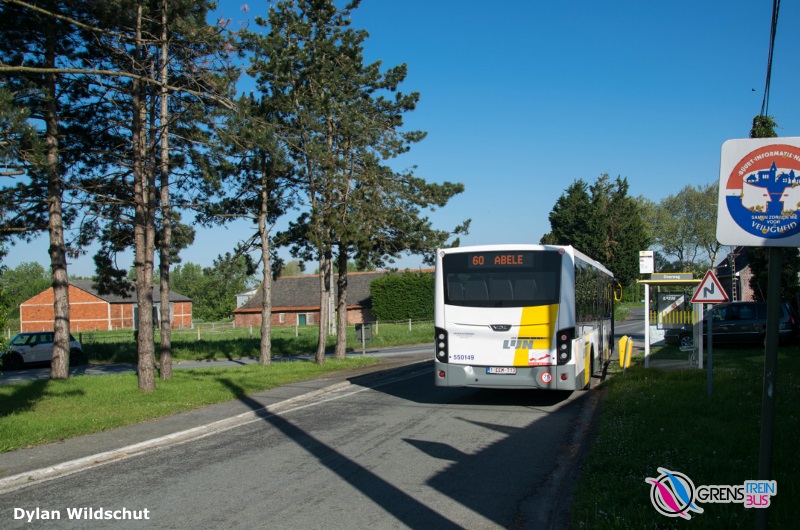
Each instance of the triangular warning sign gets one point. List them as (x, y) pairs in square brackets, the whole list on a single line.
[(709, 291)]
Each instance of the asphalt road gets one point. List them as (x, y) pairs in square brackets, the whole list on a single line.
[(389, 450), (633, 327)]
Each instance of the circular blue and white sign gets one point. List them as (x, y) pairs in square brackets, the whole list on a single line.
[(759, 192)]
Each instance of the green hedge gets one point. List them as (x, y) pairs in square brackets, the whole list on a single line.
[(400, 296)]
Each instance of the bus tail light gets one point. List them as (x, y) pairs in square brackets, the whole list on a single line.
[(564, 338), (440, 344)]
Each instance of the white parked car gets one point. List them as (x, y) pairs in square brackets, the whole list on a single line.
[(37, 347)]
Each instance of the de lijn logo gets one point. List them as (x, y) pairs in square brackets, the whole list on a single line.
[(762, 193), (674, 494)]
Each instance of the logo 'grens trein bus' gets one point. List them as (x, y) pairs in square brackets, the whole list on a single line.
[(673, 494)]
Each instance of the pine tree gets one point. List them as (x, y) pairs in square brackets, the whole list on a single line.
[(170, 102), (570, 218), (603, 222), (38, 46), (258, 186), (618, 228), (340, 119)]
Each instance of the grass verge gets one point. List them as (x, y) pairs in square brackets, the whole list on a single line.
[(623, 309), (653, 418), (47, 410), (120, 347)]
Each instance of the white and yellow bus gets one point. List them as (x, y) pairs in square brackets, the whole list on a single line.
[(521, 316)]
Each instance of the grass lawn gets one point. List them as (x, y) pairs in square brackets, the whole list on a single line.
[(653, 418), (47, 411), (120, 346), (623, 309)]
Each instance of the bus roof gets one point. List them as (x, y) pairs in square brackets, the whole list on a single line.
[(572, 251)]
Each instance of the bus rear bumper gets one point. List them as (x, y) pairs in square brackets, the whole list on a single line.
[(543, 377)]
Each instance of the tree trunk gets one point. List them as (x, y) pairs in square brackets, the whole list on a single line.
[(265, 349), (165, 365), (324, 304), (143, 255), (59, 366), (341, 306)]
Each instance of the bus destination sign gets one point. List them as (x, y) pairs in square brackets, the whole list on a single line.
[(479, 260)]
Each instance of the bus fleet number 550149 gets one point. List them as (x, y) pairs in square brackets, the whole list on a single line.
[(521, 316)]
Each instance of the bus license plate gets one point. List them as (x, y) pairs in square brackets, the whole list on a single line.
[(508, 370)]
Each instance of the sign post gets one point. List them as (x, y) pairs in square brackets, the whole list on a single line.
[(759, 205), (709, 291), (364, 334)]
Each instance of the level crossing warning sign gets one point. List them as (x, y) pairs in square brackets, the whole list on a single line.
[(709, 291)]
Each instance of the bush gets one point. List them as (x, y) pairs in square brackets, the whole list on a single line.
[(403, 296)]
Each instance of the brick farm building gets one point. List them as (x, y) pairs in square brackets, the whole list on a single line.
[(295, 301), (92, 311)]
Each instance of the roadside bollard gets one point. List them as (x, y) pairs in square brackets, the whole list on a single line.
[(625, 351), (628, 354), (623, 342)]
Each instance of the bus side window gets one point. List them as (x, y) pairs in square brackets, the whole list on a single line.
[(500, 290), (455, 289), (476, 290)]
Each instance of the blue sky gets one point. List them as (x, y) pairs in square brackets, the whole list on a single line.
[(521, 98)]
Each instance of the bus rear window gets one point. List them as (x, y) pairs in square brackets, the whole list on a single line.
[(502, 279)]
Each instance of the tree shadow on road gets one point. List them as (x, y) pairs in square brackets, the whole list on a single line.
[(386, 495)]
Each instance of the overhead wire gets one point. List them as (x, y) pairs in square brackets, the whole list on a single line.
[(776, 5)]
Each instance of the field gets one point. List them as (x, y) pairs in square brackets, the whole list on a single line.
[(654, 419), (222, 341)]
